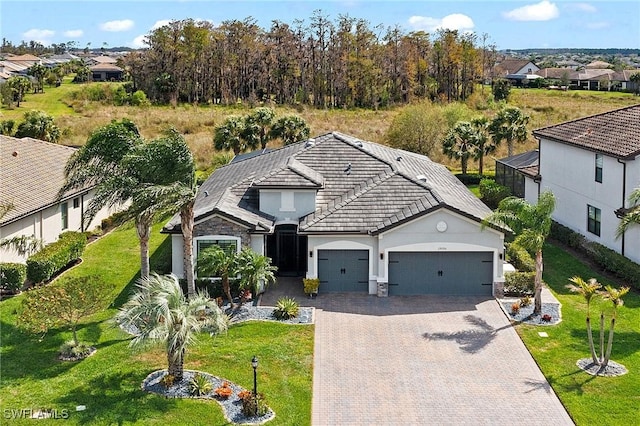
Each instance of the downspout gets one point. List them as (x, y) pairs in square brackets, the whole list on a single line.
[(624, 191), (82, 213)]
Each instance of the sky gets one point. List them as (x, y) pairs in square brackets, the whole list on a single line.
[(509, 24)]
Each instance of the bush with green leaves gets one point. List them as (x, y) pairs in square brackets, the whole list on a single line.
[(519, 283), (501, 89), (199, 385), (53, 257), (38, 125), (491, 192), (73, 350), (286, 308), (12, 276), (253, 405), (520, 258)]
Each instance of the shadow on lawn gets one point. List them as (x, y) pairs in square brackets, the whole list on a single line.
[(114, 398), (625, 343)]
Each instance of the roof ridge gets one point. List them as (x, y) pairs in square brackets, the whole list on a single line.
[(587, 117)]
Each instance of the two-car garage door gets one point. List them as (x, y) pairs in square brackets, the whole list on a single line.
[(445, 273)]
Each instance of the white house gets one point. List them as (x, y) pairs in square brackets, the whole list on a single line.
[(31, 173), (357, 215), (591, 165)]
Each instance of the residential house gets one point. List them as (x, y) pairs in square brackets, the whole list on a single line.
[(102, 59), (31, 173), (515, 67), (520, 173), (106, 72), (359, 216), (592, 166)]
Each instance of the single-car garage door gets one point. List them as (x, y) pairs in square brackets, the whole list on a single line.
[(343, 270), (450, 273)]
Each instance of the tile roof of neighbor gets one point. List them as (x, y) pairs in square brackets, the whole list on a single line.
[(362, 187), (615, 133), (105, 67), (31, 173), (512, 66)]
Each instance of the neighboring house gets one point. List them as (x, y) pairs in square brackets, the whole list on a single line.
[(515, 67), (520, 174), (592, 166), (31, 173), (598, 65), (106, 72), (360, 216), (102, 59)]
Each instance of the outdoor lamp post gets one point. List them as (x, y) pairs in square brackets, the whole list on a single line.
[(254, 364)]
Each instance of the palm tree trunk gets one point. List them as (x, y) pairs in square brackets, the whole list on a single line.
[(609, 344), (75, 334), (187, 221), (463, 162), (509, 148), (592, 348), (144, 231), (176, 365), (537, 308), (481, 164), (601, 338), (227, 290)]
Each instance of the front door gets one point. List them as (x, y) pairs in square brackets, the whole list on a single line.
[(287, 250)]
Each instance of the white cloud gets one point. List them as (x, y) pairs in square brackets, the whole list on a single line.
[(117, 26), (73, 33), (41, 36), (543, 11), (455, 21), (582, 7), (598, 25), (139, 42), (160, 23)]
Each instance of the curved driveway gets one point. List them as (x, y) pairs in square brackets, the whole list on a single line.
[(424, 361)]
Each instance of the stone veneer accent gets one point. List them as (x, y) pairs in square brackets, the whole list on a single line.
[(219, 226)]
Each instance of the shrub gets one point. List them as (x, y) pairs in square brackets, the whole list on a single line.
[(224, 391), (470, 178), (491, 192), (55, 256), (200, 385), (286, 308), (520, 258), (167, 380), (12, 276), (566, 236), (311, 285), (253, 406), (519, 283), (525, 301), (515, 307), (75, 351)]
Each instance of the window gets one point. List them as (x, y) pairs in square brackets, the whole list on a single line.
[(593, 221), (76, 203), (229, 246), (599, 160), (64, 215)]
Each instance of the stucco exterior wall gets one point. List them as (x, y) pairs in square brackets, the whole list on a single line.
[(276, 203)]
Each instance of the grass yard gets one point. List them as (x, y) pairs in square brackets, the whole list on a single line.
[(108, 383), (589, 400)]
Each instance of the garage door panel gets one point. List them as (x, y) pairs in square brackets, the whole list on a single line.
[(343, 270), (450, 273)]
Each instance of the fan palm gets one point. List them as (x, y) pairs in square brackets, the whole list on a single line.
[(458, 144), (531, 225), (160, 314), (509, 124), (632, 216), (588, 289), (254, 269), (257, 127), (230, 136), (216, 262)]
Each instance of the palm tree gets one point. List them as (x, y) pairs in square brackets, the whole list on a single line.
[(230, 136), (531, 225), (254, 269), (479, 138), (291, 129), (257, 127), (509, 124), (38, 125), (588, 289), (615, 296), (216, 262), (161, 315), (458, 144), (632, 215)]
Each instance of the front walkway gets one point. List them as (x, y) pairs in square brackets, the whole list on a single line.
[(423, 360)]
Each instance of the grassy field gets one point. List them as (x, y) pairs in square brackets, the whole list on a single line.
[(77, 119), (590, 400), (108, 383)]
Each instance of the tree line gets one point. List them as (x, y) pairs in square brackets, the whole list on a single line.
[(339, 63)]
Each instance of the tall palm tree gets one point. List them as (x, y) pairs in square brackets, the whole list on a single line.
[(230, 136), (509, 124), (615, 296), (291, 129), (480, 139), (458, 144), (161, 315), (257, 127), (588, 289), (216, 262), (531, 225), (632, 215), (254, 269)]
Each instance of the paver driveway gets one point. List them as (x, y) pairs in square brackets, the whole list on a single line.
[(424, 361)]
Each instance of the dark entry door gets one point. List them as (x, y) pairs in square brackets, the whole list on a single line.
[(343, 270), (287, 250)]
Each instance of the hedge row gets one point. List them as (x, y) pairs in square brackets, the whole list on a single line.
[(12, 276), (491, 192), (520, 258), (607, 259), (519, 283), (53, 257)]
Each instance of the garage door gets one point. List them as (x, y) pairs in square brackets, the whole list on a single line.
[(452, 273), (343, 270)]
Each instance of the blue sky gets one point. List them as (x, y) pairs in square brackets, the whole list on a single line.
[(509, 24)]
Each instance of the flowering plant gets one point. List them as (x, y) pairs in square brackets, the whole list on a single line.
[(224, 391)]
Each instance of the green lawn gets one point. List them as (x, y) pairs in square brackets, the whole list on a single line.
[(108, 383), (51, 101), (589, 400)]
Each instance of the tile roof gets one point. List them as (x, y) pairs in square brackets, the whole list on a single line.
[(615, 133), (31, 173), (105, 67), (362, 187)]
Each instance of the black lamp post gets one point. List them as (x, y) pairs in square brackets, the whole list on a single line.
[(254, 364)]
